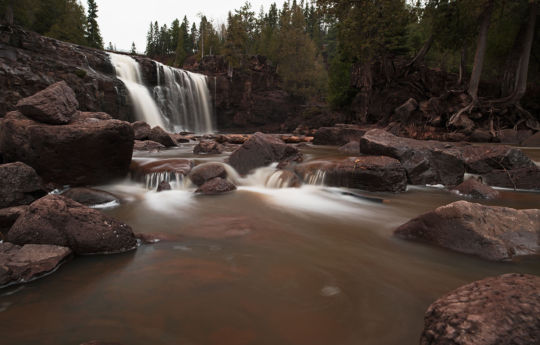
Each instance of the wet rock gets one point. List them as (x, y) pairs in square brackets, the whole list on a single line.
[(147, 145), (532, 141), (208, 146), (207, 171), (480, 135), (476, 189), (524, 178), (163, 185), (141, 167), (141, 130), (158, 237), (232, 138), (404, 111), (493, 311), (351, 148), (493, 233), (371, 173), (511, 136), (9, 215), (261, 150), (58, 220), (55, 105), (29, 262), (90, 196), (19, 185), (426, 162), (485, 158), (216, 186), (338, 135), (283, 179), (84, 152), (157, 134)]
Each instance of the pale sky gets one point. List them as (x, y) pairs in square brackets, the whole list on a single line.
[(124, 21)]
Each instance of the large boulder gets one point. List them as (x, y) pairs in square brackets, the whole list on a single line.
[(31, 261), (426, 162), (481, 159), (476, 189), (92, 149), (338, 135), (501, 310), (141, 130), (216, 185), (524, 178), (205, 172), (491, 232), (8, 217), (371, 173), (90, 196), (55, 105), (19, 185), (261, 150), (58, 220), (159, 135)]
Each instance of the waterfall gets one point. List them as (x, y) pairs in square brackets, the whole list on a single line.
[(181, 100), (184, 99), (129, 72)]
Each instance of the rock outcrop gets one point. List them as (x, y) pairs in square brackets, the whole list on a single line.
[(31, 261), (500, 310), (57, 220), (261, 150), (491, 232), (19, 185)]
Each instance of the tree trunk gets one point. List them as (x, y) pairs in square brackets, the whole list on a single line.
[(508, 84), (9, 15), (422, 53), (523, 65), (462, 64), (485, 20)]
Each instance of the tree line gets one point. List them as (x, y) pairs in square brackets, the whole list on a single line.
[(65, 20)]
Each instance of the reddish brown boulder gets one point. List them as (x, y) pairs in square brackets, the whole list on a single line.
[(87, 151), (351, 148), (482, 159), (90, 196), (163, 185), (207, 171), (147, 145), (216, 186), (338, 135), (476, 189), (371, 173), (141, 167), (57, 220), (55, 105), (501, 310), (426, 162), (8, 217), (261, 150), (157, 134), (491, 232), (19, 185), (524, 178), (208, 146), (141, 130), (29, 262)]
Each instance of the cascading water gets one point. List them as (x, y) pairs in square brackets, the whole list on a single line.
[(181, 100), (129, 72), (184, 99)]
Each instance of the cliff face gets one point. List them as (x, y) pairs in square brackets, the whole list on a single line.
[(248, 97), (30, 62)]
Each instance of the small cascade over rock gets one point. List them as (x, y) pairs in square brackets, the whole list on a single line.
[(184, 98)]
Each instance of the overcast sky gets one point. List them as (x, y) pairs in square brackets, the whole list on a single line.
[(124, 21)]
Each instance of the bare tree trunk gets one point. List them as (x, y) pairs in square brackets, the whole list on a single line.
[(480, 54), (9, 15), (462, 64), (363, 80), (525, 56), (509, 79), (422, 53)]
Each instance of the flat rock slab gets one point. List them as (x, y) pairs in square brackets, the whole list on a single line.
[(501, 310), (23, 264), (491, 232), (57, 220)]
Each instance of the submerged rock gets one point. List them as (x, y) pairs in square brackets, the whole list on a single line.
[(476, 189), (261, 150), (493, 311), (147, 145), (208, 146), (426, 162), (55, 105), (58, 220), (338, 135), (19, 185), (524, 178), (491, 232), (89, 150), (29, 262), (216, 185), (207, 171), (371, 173), (90, 196)]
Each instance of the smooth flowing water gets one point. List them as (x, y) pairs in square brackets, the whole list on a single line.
[(261, 265)]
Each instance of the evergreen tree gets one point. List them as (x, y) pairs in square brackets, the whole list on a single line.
[(71, 24), (133, 48), (93, 35)]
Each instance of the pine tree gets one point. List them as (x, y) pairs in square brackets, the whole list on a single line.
[(70, 26), (93, 35), (133, 48)]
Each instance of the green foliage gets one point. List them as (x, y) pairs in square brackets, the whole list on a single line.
[(93, 35), (340, 92)]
